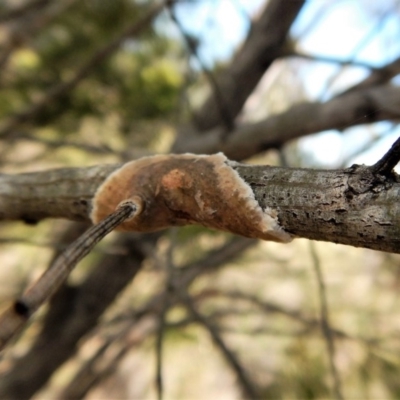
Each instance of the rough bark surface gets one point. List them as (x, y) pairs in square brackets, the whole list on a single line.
[(60, 193), (349, 206)]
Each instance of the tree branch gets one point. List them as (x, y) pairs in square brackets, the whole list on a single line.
[(325, 324), (377, 77), (248, 388), (361, 107), (386, 164), (64, 193), (18, 313), (261, 48), (353, 206), (74, 312), (325, 59), (225, 115)]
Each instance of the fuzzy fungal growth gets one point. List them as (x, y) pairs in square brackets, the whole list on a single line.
[(176, 190)]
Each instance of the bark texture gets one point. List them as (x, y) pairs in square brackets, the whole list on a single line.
[(60, 193), (350, 206)]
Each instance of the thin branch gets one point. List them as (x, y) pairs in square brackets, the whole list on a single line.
[(261, 47), (386, 164), (360, 45), (73, 313), (55, 144), (248, 387), (327, 59), (60, 90), (213, 261), (325, 326), (225, 114), (365, 106), (92, 372), (100, 365), (159, 347), (186, 275), (14, 318), (166, 304), (272, 308), (377, 77)]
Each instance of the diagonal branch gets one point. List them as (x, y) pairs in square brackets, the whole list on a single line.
[(325, 59), (225, 115), (166, 304), (15, 317), (377, 77), (325, 325), (249, 389), (74, 312), (386, 164), (261, 48)]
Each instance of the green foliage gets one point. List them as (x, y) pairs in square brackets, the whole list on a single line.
[(138, 82), (149, 86)]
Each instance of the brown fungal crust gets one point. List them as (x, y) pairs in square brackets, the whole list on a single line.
[(176, 190)]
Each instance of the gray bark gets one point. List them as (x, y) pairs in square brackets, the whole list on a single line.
[(349, 206)]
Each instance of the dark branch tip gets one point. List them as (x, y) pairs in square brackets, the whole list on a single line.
[(21, 308), (386, 164)]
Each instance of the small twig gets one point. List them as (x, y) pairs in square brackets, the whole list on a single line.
[(166, 304), (359, 46), (55, 144), (159, 346), (386, 164), (248, 388), (347, 161), (15, 317), (325, 327), (378, 76), (101, 365), (223, 108), (327, 59)]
